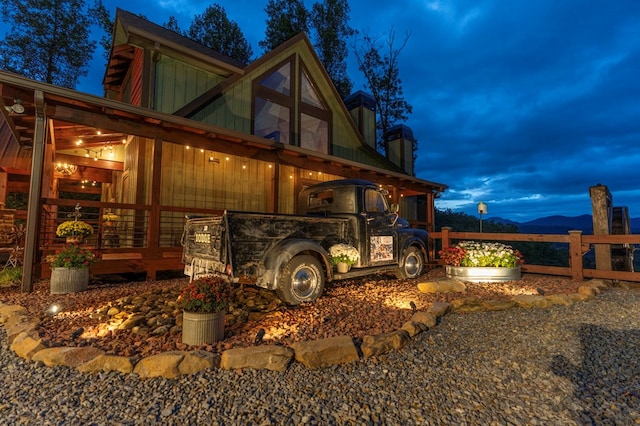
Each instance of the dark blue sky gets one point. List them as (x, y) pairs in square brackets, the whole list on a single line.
[(520, 104)]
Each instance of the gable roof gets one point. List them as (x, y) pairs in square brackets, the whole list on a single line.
[(135, 27)]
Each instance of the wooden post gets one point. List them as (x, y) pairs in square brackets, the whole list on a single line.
[(601, 206), (446, 239), (575, 255), (35, 189)]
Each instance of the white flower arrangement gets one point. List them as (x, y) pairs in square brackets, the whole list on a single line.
[(343, 253), (482, 254)]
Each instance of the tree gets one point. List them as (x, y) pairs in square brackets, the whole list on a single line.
[(49, 41), (214, 29), (382, 76), (172, 25), (285, 19), (330, 21)]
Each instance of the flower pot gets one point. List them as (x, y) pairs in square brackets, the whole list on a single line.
[(69, 280), (202, 328), (75, 239), (485, 274), (343, 268)]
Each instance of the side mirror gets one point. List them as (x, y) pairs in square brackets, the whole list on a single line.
[(395, 208)]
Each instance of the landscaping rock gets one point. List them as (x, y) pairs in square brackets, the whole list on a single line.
[(414, 328), (107, 363), (383, 343), (196, 361), (439, 309), (68, 356), (27, 344), (6, 311), (326, 352), (161, 365), (442, 286), (275, 358)]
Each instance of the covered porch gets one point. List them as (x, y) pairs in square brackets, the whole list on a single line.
[(66, 149)]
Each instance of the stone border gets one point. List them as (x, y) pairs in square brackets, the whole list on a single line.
[(24, 341)]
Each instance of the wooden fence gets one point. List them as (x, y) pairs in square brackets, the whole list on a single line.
[(579, 245)]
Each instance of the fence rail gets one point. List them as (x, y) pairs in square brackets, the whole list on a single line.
[(579, 245)]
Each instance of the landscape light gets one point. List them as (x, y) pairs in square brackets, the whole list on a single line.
[(54, 309)]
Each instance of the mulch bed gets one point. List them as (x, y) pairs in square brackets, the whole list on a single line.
[(359, 307)]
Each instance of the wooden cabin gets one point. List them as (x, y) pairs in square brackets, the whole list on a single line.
[(183, 130)]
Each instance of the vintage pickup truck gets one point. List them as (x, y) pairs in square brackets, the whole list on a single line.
[(290, 253)]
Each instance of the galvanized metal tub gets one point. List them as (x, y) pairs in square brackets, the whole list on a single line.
[(484, 274), (69, 280), (202, 328)]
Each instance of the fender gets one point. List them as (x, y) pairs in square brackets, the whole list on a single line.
[(412, 240), (278, 256)]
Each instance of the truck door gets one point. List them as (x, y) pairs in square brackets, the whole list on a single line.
[(381, 240)]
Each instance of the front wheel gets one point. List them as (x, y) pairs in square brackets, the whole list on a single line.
[(302, 280), (412, 264)]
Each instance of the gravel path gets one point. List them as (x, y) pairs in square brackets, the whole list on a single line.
[(562, 366)]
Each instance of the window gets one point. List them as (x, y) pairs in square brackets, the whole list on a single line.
[(280, 114), (374, 202), (323, 198), (279, 80), (314, 134), (272, 120)]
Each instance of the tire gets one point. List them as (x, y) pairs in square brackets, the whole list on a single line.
[(412, 264), (302, 280)]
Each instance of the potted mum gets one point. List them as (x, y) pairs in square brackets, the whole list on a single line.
[(110, 219), (74, 230), (70, 268), (482, 261), (343, 256), (204, 302)]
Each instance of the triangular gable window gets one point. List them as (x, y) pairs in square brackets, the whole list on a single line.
[(308, 92), (279, 80), (289, 111)]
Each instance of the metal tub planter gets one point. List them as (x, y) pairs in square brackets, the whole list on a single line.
[(483, 274)]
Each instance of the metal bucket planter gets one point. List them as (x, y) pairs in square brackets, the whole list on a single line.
[(202, 328), (69, 280), (343, 268), (485, 274)]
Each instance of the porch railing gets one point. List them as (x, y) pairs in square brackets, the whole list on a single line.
[(129, 237)]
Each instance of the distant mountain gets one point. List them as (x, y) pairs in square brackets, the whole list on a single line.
[(557, 224)]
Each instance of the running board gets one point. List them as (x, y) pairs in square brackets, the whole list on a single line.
[(360, 272)]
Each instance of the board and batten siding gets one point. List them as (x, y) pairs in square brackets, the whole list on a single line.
[(189, 179), (178, 83)]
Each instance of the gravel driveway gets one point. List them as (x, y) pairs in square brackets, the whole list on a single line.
[(576, 364)]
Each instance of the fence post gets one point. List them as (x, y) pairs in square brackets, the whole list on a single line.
[(446, 240), (575, 255)]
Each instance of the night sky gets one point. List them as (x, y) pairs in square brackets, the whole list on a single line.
[(519, 104)]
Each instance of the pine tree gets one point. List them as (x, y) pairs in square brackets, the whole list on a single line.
[(214, 29), (330, 21), (49, 41), (172, 25), (285, 19)]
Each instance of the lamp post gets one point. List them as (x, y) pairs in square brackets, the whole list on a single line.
[(482, 209)]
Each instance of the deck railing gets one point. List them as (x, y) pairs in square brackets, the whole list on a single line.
[(578, 244)]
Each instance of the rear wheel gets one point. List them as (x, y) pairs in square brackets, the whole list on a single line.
[(412, 264), (302, 280)]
